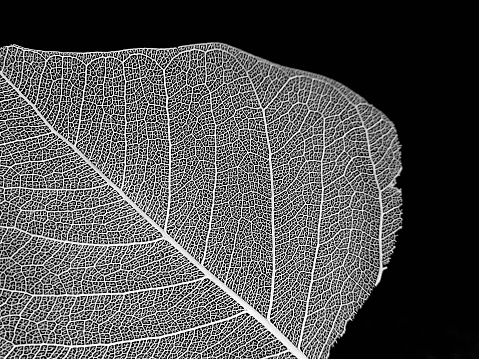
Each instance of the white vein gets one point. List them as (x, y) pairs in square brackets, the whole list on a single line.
[(272, 214), (381, 208), (106, 294), (168, 121), (139, 339), (210, 222), (65, 241), (318, 240)]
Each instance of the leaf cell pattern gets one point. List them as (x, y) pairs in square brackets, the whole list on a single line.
[(192, 202)]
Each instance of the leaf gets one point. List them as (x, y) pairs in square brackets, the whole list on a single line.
[(193, 202)]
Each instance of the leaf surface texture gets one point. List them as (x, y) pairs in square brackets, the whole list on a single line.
[(193, 202)]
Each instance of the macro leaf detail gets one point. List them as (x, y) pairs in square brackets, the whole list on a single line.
[(193, 202)]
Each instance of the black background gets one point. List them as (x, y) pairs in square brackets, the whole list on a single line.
[(413, 67)]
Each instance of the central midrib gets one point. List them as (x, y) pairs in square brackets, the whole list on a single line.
[(248, 308)]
